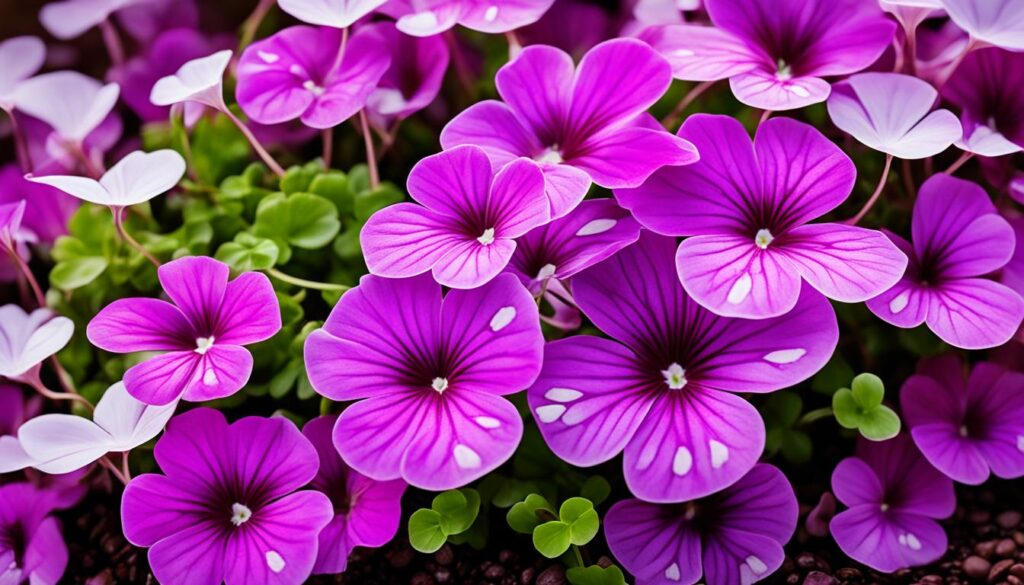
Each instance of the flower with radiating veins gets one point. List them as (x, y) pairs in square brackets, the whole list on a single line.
[(413, 79), (734, 536), (990, 22), (664, 391), (988, 86), (424, 18), (32, 547)]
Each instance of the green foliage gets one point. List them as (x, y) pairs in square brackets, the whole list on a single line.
[(860, 407), (248, 252), (781, 413), (596, 575), (526, 515), (576, 523), (451, 513)]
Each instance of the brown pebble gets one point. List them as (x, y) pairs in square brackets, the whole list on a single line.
[(506, 556), (445, 555), (526, 577), (819, 578), (999, 570), (1006, 548), (806, 561), (1009, 519), (979, 516), (1013, 580), (848, 574), (442, 575), (495, 572), (604, 562), (986, 549), (976, 567), (422, 579), (553, 575), (931, 580), (793, 579), (1017, 570)]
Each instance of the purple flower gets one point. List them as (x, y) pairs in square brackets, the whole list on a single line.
[(413, 79), (967, 428), (424, 18), (67, 19), (73, 104), (225, 508), (429, 376), (47, 209), (295, 74), (1013, 272), (894, 496), (14, 239), (735, 536), (20, 58), (334, 13), (893, 114), (775, 53), (553, 253), (366, 512), (145, 21), (665, 390), (747, 206), (32, 547), (464, 226), (14, 411), (958, 238), (202, 332), (991, 22), (584, 124), (988, 86), (591, 24)]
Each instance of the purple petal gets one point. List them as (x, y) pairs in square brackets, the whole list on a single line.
[(997, 22), (911, 484), (538, 86), (517, 202), (375, 519), (183, 452), (20, 58), (469, 264), (943, 213), (692, 444), (345, 92), (271, 453), (493, 126), (196, 284), (734, 556), (140, 324), (762, 502), (656, 545), (845, 263), (455, 182), (46, 554), (760, 88), (193, 555), (566, 186), (222, 371), (373, 435), (164, 378), (972, 313), (510, 15), (414, 78), (590, 398), (888, 541), (406, 239), (375, 336), (625, 157), (249, 312), (155, 507), (856, 484), (997, 398), (700, 53), (267, 91)]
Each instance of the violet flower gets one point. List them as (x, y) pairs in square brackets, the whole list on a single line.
[(464, 224), (333, 13), (1013, 273), (14, 240), (746, 207), (50, 210), (202, 333), (734, 536), (14, 411), (988, 86), (26, 339), (20, 59), (366, 512), (775, 53), (413, 79), (225, 508), (296, 74), (591, 24), (429, 376), (665, 391), (584, 124), (958, 238), (424, 18), (992, 22), (894, 497), (32, 547), (145, 21), (967, 428), (67, 19), (892, 113), (552, 253)]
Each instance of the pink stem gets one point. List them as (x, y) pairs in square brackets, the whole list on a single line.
[(694, 93), (119, 224), (371, 158), (874, 196), (966, 156), (262, 152), (20, 147), (341, 50), (113, 43)]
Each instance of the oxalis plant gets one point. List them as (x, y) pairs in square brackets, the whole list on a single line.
[(310, 278)]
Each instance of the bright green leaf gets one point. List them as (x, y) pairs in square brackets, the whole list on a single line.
[(458, 509), (524, 517), (425, 531), (303, 220), (551, 539), (78, 272), (868, 390), (248, 252), (880, 424), (573, 508), (845, 408), (596, 575), (596, 489)]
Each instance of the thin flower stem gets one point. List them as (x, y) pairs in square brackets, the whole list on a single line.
[(109, 466), (62, 376), (814, 415), (578, 555), (514, 46), (874, 196), (327, 137), (20, 147), (764, 116), (908, 177), (371, 158), (41, 388), (262, 152), (78, 151), (910, 51), (112, 41), (252, 23), (37, 292), (325, 406), (119, 224), (125, 469), (305, 283), (952, 67), (966, 156), (341, 50), (690, 97), (461, 67), (186, 145)]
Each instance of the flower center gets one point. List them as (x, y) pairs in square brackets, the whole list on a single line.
[(486, 238), (763, 238), (546, 272), (439, 384), (551, 155), (203, 344), (884, 507), (240, 514), (964, 431), (783, 70), (675, 376), (310, 86)]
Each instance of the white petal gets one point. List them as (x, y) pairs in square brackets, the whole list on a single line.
[(141, 176), (130, 422), (62, 443)]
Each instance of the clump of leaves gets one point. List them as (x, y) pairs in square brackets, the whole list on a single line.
[(860, 407), (575, 523), (781, 414), (452, 512)]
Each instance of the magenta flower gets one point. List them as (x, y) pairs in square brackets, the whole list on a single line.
[(591, 24), (894, 497), (584, 124), (20, 59), (14, 411), (747, 206), (429, 376), (14, 239), (988, 86), (26, 339), (413, 79), (958, 238), (201, 331), (775, 53), (735, 536), (50, 210), (32, 547), (145, 21), (1013, 272), (597, 397), (67, 19), (893, 114), (967, 428), (334, 13), (424, 18), (992, 22), (225, 508), (366, 512), (464, 226), (295, 74)]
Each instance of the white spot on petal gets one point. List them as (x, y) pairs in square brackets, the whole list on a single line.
[(910, 541), (550, 156), (683, 53), (546, 271), (798, 90), (672, 572), (502, 318), (719, 453), (465, 457), (491, 14), (740, 289), (785, 356), (295, 69), (562, 394), (1020, 442), (421, 20), (210, 377), (900, 302), (313, 88), (268, 57), (682, 462), (756, 565), (439, 384), (549, 413), (274, 561), (488, 422), (597, 226)]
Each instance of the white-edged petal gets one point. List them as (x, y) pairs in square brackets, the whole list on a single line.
[(72, 103), (200, 80)]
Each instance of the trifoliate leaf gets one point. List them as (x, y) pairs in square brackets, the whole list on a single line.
[(596, 575), (551, 539), (868, 390), (425, 531), (248, 252), (303, 220)]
